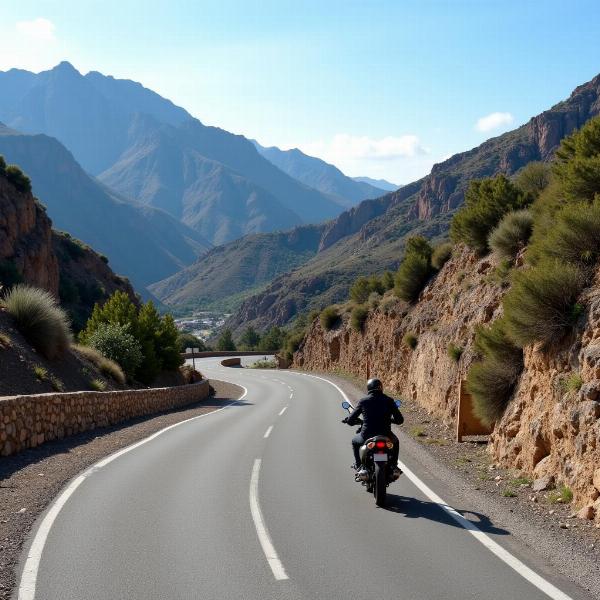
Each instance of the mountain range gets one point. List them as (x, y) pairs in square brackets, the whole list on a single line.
[(370, 237), (382, 184), (155, 153), (320, 175), (142, 242)]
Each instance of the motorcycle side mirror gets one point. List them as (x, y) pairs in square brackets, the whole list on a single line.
[(398, 403), (345, 405)]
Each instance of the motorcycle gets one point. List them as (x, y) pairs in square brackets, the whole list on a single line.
[(376, 457)]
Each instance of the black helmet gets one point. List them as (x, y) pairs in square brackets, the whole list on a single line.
[(374, 385)]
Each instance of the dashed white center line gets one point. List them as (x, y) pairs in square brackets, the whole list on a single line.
[(261, 529), (291, 395), (282, 410), (268, 432)]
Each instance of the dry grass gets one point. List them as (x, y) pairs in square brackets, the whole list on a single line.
[(106, 366)]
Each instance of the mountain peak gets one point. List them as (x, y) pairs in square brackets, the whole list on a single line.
[(65, 67)]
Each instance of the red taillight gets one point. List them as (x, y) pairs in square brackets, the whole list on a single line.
[(380, 444)]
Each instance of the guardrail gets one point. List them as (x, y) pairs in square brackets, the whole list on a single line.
[(216, 354)]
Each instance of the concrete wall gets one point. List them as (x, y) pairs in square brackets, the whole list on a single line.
[(210, 354), (28, 421)]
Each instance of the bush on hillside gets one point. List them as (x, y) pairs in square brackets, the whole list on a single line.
[(491, 384), (574, 237), (542, 303), (358, 317), (273, 340), (188, 340), (106, 366), (494, 342), (577, 166), (18, 178), (250, 339), (486, 202), (410, 340), (455, 352), (225, 342), (412, 276), (512, 234), (441, 255), (534, 178), (419, 245), (360, 290), (39, 318), (115, 342), (387, 281), (329, 318), (292, 344)]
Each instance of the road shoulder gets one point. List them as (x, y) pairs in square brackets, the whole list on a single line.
[(30, 480)]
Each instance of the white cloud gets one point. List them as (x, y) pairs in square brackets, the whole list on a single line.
[(38, 29), (31, 45), (401, 158), (493, 121)]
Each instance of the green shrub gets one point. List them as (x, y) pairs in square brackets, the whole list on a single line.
[(116, 343), (574, 236), (41, 373), (358, 317), (486, 202), (292, 344), (417, 244), (98, 385), (413, 274), (542, 302), (273, 340), (225, 341), (264, 364), (512, 234), (534, 178), (187, 340), (18, 178), (106, 366), (57, 384), (455, 352), (410, 340), (387, 281), (250, 339), (577, 167), (329, 318), (491, 384), (494, 342), (39, 318), (564, 495), (441, 255), (574, 382)]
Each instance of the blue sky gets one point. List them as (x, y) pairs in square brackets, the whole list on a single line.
[(379, 88)]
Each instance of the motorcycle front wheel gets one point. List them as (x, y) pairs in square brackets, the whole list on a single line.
[(380, 487)]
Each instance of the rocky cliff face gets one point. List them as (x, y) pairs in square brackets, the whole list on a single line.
[(26, 238), (546, 430), (54, 261)]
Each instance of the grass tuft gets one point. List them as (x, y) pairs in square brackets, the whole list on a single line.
[(39, 318), (98, 385), (410, 340), (512, 234), (358, 317), (41, 373), (329, 318), (455, 352), (106, 366)]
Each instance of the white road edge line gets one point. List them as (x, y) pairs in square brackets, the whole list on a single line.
[(282, 410), (261, 529), (504, 555), (268, 432), (291, 395), (28, 581)]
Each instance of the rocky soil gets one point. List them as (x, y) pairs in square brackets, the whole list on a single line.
[(30, 480)]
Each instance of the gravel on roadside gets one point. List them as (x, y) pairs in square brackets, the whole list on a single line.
[(537, 520), (31, 479)]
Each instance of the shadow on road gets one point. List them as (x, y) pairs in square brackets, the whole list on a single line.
[(11, 464), (413, 508)]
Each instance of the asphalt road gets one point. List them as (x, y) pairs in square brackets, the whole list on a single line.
[(257, 501)]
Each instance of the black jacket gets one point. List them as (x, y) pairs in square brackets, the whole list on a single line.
[(378, 412)]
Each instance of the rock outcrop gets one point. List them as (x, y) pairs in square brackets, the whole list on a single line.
[(26, 238), (550, 430)]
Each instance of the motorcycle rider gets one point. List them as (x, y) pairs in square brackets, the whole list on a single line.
[(378, 412)]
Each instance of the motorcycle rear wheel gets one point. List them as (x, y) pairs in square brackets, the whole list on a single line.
[(380, 486)]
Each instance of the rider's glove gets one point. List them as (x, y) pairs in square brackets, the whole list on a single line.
[(345, 420)]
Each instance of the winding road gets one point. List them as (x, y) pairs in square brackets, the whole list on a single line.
[(257, 501)]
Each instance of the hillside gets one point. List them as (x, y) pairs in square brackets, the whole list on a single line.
[(31, 252), (320, 175), (370, 237), (382, 184), (142, 243), (154, 152), (223, 276)]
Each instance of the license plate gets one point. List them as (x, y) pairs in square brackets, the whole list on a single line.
[(380, 457)]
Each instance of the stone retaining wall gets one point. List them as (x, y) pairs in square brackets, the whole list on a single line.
[(231, 362), (28, 421)]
